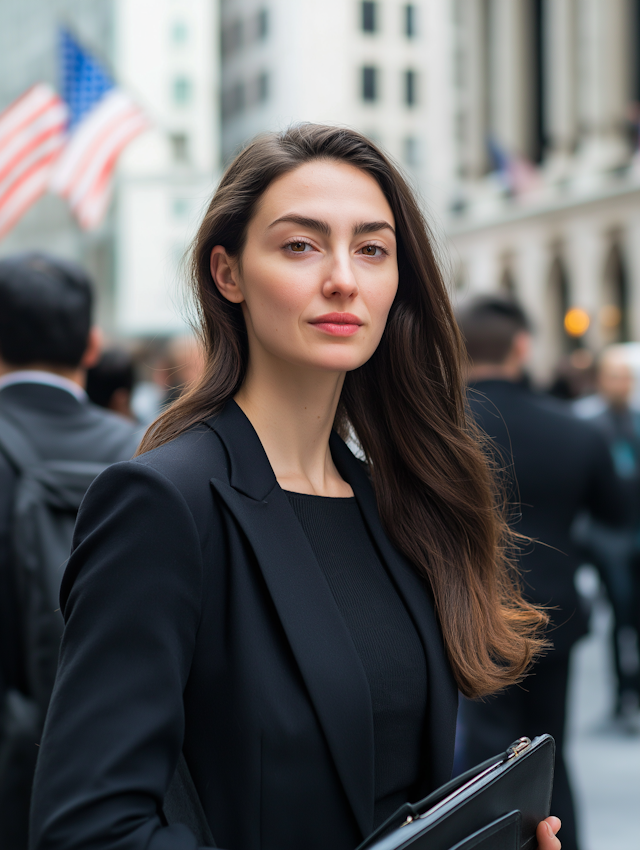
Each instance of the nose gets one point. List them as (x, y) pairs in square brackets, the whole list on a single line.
[(340, 281)]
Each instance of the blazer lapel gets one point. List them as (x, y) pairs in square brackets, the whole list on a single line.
[(317, 634), (442, 693)]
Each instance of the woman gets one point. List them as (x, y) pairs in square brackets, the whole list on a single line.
[(241, 591)]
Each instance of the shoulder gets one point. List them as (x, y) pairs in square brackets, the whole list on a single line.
[(177, 472), (156, 500), (190, 461)]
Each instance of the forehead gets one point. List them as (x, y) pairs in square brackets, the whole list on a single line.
[(617, 368), (333, 191)]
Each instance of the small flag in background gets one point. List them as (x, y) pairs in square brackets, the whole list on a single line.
[(103, 119), (518, 174), (32, 134)]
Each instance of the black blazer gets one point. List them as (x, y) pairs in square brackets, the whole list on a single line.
[(59, 427), (558, 466), (197, 614)]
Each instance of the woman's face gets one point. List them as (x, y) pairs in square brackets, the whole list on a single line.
[(319, 270)]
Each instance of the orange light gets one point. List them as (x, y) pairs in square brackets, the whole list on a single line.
[(576, 321)]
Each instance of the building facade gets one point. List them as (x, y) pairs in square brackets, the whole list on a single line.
[(517, 122), (376, 66), (549, 91), (165, 53)]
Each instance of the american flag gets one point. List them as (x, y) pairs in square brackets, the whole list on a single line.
[(32, 134), (103, 119)]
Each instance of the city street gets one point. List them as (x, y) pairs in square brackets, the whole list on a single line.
[(604, 762)]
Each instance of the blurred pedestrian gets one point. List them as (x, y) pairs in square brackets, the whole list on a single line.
[(615, 551), (184, 365), (244, 601), (47, 344), (110, 382), (554, 467)]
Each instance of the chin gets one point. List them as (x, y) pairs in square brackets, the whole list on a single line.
[(339, 364)]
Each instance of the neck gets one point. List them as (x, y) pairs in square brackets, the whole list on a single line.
[(78, 375), (495, 371), (292, 410)]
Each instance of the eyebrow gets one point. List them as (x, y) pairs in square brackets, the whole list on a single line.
[(323, 226)]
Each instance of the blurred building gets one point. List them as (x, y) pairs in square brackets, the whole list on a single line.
[(546, 202), (518, 123), (166, 53), (377, 66)]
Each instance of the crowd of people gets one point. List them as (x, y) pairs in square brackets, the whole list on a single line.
[(570, 471)]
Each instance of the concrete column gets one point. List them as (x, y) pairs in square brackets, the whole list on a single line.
[(586, 254), (510, 98), (604, 89), (560, 83), (531, 265), (474, 99), (482, 261), (631, 250)]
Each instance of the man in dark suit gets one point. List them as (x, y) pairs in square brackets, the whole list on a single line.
[(46, 345), (554, 467), (615, 551)]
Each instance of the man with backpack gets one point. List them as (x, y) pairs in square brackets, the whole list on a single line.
[(53, 442)]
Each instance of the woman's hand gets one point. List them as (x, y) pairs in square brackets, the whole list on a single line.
[(546, 834)]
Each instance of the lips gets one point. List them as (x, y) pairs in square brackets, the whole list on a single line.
[(338, 324)]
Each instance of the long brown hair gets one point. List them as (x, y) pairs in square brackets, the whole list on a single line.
[(435, 489)]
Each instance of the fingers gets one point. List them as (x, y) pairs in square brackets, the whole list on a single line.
[(546, 834)]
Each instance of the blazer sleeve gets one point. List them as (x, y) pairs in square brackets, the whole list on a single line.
[(115, 726)]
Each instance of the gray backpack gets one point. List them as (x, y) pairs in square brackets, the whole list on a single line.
[(45, 502)]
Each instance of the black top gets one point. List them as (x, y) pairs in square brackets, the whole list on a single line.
[(384, 636)]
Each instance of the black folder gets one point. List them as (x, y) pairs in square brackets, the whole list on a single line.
[(494, 806)]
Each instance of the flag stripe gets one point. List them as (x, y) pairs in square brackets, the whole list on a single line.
[(32, 134), (52, 145), (24, 192), (104, 119), (105, 114), (29, 106), (107, 151), (92, 208), (23, 146)]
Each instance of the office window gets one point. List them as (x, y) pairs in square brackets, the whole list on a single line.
[(410, 85), (233, 100), (257, 91), (410, 14), (369, 83), (179, 32), (263, 87), (262, 24), (231, 38), (368, 16), (179, 147), (181, 90), (411, 153)]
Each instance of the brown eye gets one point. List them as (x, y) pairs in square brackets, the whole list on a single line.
[(298, 247), (370, 250)]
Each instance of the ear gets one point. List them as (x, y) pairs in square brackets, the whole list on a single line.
[(224, 271), (93, 350), (521, 348)]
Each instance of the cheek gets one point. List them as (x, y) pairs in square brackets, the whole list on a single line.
[(380, 298), (273, 295)]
